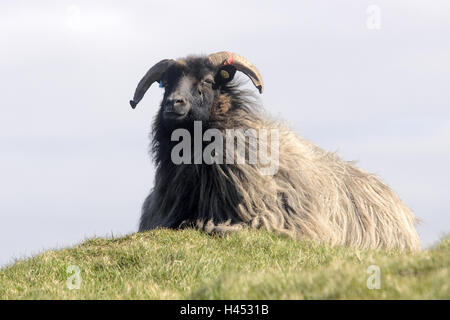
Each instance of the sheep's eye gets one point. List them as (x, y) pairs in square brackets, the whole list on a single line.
[(208, 81)]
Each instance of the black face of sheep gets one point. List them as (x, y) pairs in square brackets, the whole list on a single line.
[(313, 194), (189, 92)]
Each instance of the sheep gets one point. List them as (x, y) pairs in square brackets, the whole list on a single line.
[(312, 194)]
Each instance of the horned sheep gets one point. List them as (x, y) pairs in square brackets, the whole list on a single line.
[(312, 194)]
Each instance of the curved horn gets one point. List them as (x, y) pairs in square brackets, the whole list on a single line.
[(154, 74), (241, 64)]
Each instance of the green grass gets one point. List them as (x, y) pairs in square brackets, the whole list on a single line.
[(188, 264)]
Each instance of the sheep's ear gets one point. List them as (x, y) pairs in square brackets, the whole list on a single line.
[(224, 58), (225, 74)]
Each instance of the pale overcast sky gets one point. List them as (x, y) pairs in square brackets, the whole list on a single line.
[(73, 155)]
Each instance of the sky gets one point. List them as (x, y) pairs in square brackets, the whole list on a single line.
[(367, 79)]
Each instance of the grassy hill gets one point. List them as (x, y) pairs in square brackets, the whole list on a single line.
[(165, 264)]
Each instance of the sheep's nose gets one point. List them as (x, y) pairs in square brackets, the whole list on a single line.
[(176, 102), (176, 105)]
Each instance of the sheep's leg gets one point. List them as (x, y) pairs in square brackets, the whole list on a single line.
[(221, 229)]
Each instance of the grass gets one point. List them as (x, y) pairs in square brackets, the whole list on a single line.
[(188, 264)]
